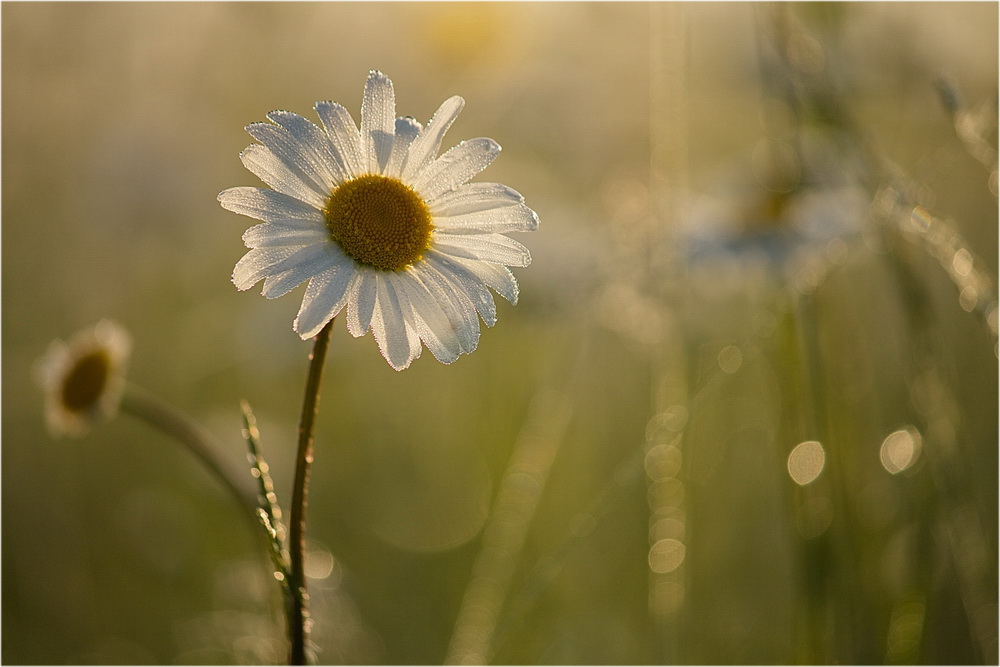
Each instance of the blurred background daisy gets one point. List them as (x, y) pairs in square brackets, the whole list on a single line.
[(752, 415)]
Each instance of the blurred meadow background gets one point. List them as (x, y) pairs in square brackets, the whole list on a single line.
[(745, 411)]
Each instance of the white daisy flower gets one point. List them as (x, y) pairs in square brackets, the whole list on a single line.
[(84, 379), (380, 225)]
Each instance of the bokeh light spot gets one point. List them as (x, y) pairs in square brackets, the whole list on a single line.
[(666, 555), (806, 462), (962, 262), (319, 563), (900, 449), (968, 298), (666, 597), (669, 528), (667, 424), (730, 359), (663, 493), (993, 319), (663, 461)]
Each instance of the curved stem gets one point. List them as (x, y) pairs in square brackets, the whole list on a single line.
[(298, 614), (161, 415)]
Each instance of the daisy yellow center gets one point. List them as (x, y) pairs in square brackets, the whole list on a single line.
[(379, 221), (86, 381)]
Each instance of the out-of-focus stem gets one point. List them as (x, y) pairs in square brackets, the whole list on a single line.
[(164, 417)]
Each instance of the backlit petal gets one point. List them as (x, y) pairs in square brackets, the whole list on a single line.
[(317, 150), (433, 325), (389, 323), (272, 170), (407, 130), (378, 120), (257, 264), (361, 302), (324, 298), (484, 247), (455, 167), (300, 267), (517, 218), (426, 146), (296, 157), (291, 232), (343, 136), (473, 197), (268, 205), (462, 278)]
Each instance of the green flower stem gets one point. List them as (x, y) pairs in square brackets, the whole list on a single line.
[(298, 614), (162, 416)]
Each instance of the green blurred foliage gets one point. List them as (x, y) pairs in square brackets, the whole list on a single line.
[(668, 241)]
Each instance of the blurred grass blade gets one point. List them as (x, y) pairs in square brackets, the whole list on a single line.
[(505, 533), (268, 510)]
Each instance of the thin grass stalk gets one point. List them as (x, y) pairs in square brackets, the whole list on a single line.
[(298, 612)]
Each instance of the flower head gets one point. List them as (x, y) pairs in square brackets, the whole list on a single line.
[(380, 225), (84, 379)]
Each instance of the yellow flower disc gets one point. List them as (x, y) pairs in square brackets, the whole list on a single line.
[(86, 381), (379, 221)]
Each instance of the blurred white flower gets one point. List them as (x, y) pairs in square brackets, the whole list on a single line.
[(380, 226), (83, 380)]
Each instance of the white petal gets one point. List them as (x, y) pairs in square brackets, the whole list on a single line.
[(298, 268), (463, 279), (324, 298), (426, 146), (266, 166), (315, 145), (361, 302), (455, 167), (282, 284), (454, 303), (264, 262), (378, 120), (495, 248), (473, 197), (389, 324), (268, 205), (433, 324), (257, 264), (411, 328), (296, 156), (407, 130), (343, 136), (498, 278), (291, 232), (518, 218)]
